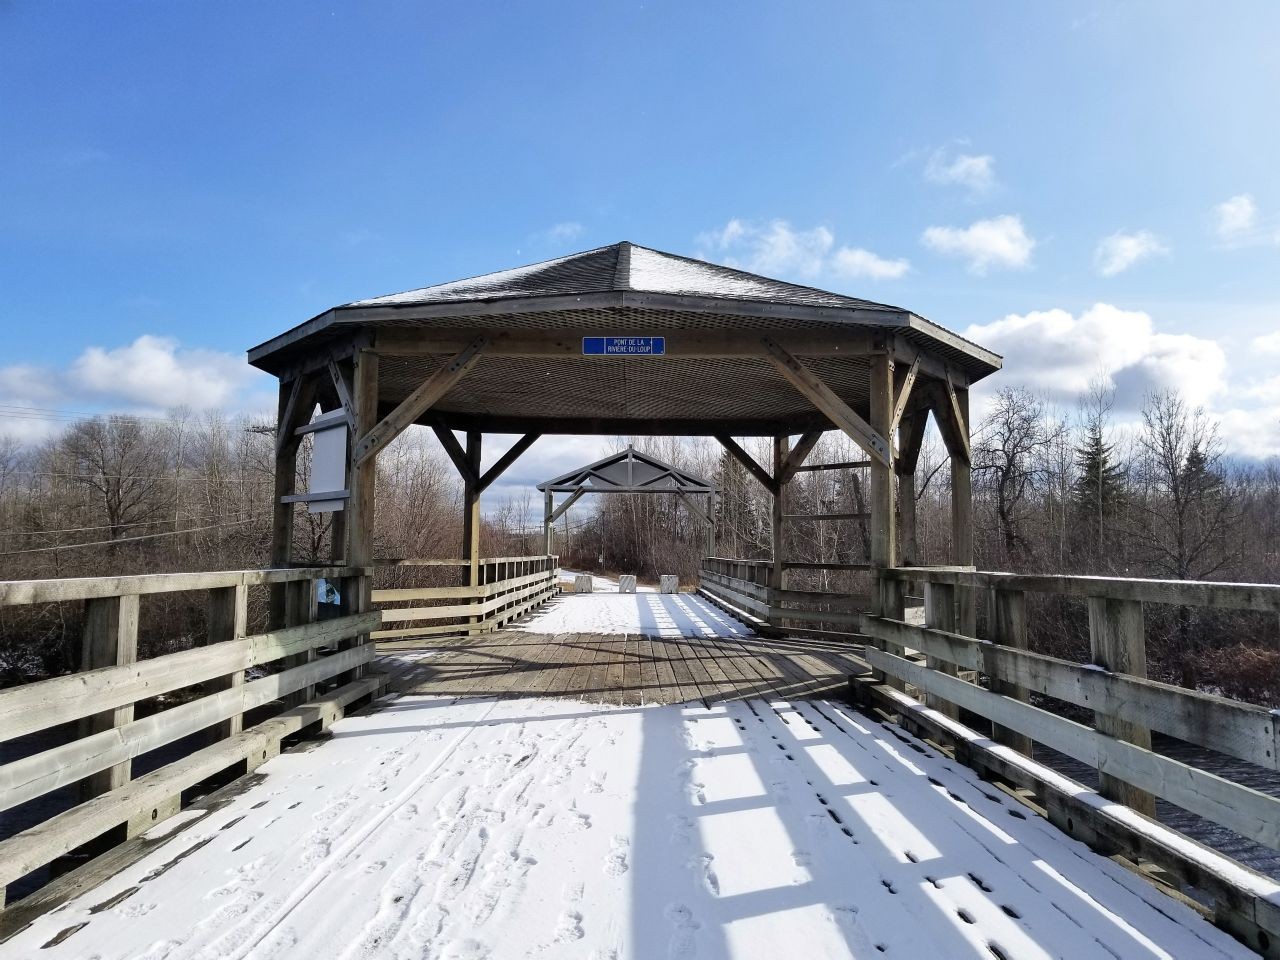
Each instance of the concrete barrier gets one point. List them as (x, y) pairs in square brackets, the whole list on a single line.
[(627, 583), (582, 583), (669, 583)]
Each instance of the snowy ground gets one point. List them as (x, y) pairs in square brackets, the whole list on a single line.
[(648, 613), (472, 829)]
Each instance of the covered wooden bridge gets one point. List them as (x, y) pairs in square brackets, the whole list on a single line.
[(927, 804)]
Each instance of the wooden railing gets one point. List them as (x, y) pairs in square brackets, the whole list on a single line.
[(948, 668), (509, 587), (315, 666), (742, 588)]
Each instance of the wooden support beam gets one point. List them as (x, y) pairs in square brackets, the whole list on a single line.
[(843, 465), (568, 343), (420, 401), (910, 438), (799, 453), (288, 412), (507, 459), (558, 512), (361, 471), (904, 392), (342, 388), (456, 453), (778, 572), (747, 461), (955, 421), (874, 442), (694, 510), (1117, 642), (471, 510), (883, 516), (548, 508)]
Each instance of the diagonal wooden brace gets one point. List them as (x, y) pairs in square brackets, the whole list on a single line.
[(420, 401), (825, 399)]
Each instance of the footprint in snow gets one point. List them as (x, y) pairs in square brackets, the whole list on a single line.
[(597, 783), (615, 864), (684, 927), (702, 865), (569, 927), (467, 949)]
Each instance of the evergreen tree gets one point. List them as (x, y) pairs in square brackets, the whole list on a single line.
[(1099, 488)]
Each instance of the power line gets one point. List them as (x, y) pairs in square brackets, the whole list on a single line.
[(121, 476), (111, 543), (104, 526)]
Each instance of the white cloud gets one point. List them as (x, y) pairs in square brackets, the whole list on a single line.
[(1120, 251), (779, 250), (147, 377), (1059, 354), (563, 232), (156, 372), (856, 262), (773, 248), (1235, 218), (974, 173), (1000, 242), (1267, 343)]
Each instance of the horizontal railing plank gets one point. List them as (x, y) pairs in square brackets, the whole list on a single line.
[(33, 848), (1263, 597), (47, 703), (13, 592), (1238, 729), (34, 776), (1246, 811)]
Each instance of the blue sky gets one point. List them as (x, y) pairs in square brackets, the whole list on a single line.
[(1083, 187)]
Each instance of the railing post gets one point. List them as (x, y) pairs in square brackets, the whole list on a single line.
[(110, 640), (891, 603), (1009, 629), (227, 620), (1118, 643), (300, 607), (940, 614)]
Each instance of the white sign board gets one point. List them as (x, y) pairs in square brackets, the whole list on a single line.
[(328, 462)]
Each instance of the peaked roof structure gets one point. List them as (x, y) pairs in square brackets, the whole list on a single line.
[(620, 340), (630, 471)]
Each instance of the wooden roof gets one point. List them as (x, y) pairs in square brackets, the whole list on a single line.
[(713, 377), (628, 471)]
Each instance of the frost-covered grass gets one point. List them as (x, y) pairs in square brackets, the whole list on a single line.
[(436, 828)]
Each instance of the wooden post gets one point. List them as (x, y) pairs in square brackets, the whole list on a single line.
[(711, 525), (286, 475), (1117, 642), (228, 615), (1009, 628), (361, 480), (962, 515), (911, 429), (471, 511), (883, 545), (300, 608), (781, 447), (548, 506), (110, 640), (940, 614)]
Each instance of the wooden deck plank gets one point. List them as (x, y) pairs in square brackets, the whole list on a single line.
[(627, 669)]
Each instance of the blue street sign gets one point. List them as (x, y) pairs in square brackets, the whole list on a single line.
[(624, 346)]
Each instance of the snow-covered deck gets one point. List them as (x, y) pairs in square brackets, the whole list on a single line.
[(505, 828)]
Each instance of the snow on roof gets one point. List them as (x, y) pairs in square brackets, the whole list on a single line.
[(622, 267)]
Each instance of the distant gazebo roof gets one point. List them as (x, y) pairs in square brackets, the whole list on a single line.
[(629, 471), (534, 373)]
